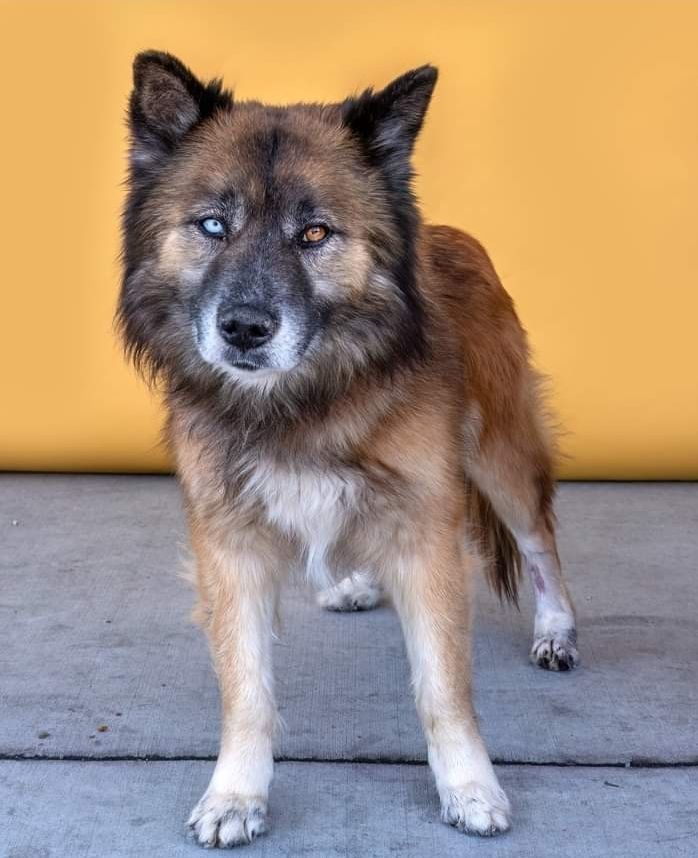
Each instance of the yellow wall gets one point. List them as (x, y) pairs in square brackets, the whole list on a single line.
[(563, 134)]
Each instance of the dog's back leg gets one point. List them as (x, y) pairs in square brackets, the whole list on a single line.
[(507, 448), (513, 468), (356, 592)]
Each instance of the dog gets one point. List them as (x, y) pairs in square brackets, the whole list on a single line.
[(348, 392)]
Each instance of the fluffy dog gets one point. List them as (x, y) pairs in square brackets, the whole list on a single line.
[(349, 392)]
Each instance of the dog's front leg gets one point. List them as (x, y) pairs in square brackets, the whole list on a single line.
[(238, 601), (431, 591)]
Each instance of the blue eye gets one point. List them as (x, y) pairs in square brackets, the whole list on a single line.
[(212, 226)]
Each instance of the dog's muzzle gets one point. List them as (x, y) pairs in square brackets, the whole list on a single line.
[(245, 327)]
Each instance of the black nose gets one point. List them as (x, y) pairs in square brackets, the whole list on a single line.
[(246, 327)]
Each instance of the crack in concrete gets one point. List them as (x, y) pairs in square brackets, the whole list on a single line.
[(638, 763)]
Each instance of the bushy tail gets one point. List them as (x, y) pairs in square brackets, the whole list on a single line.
[(503, 561)]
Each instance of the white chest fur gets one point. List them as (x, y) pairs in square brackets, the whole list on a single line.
[(310, 504)]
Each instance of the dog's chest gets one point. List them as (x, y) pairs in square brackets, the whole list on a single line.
[(313, 505)]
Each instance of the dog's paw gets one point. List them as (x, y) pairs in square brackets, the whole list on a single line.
[(227, 820), (476, 809), (355, 593), (555, 650)]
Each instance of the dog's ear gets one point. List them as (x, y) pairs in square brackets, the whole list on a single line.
[(167, 101), (387, 122)]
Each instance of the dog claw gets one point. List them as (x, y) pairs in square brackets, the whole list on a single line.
[(557, 652)]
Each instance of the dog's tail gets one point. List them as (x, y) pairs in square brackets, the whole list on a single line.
[(503, 561)]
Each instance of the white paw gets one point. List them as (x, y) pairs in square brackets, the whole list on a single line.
[(227, 820), (355, 593), (556, 650), (476, 809)]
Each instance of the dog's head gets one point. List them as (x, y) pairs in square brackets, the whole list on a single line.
[(265, 243)]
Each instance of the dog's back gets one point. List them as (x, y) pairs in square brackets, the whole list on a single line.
[(506, 428)]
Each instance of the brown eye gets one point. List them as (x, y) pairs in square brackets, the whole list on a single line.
[(314, 233)]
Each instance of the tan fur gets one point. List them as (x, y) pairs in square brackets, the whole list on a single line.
[(479, 398), (388, 431)]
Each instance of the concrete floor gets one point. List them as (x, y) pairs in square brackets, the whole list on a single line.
[(108, 706)]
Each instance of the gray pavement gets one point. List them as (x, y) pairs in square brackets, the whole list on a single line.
[(108, 706)]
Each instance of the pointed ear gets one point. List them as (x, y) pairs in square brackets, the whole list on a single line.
[(387, 122), (166, 102)]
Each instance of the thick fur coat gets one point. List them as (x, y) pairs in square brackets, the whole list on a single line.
[(349, 394)]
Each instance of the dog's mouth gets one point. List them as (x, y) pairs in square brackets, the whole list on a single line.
[(246, 365), (250, 361)]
